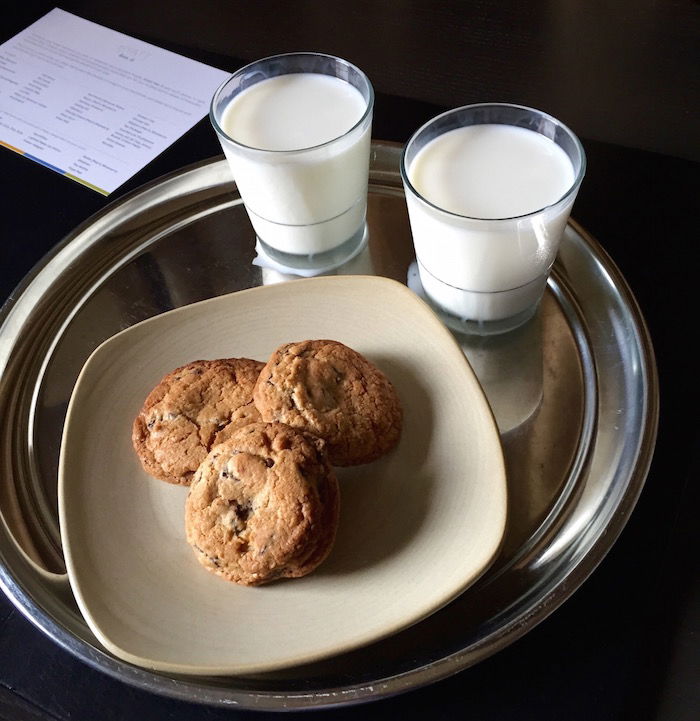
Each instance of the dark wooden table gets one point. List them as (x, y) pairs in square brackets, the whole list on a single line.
[(625, 646)]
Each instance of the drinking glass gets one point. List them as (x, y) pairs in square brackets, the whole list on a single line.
[(487, 275), (307, 205)]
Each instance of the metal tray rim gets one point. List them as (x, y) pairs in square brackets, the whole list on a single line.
[(187, 689)]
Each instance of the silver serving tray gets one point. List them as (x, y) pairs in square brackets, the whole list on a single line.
[(575, 393)]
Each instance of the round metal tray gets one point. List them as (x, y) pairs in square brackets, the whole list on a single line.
[(574, 392)]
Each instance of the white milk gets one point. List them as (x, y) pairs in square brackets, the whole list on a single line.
[(293, 112), (486, 258), (303, 176)]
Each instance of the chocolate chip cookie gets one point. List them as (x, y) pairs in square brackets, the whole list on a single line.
[(263, 505), (190, 410), (334, 392)]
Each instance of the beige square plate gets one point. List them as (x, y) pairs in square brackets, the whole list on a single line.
[(417, 527)]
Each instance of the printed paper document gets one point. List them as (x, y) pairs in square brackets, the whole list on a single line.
[(93, 104)]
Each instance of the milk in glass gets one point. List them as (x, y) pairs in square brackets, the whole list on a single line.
[(300, 158), (489, 208)]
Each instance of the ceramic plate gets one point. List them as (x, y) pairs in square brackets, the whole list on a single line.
[(417, 527)]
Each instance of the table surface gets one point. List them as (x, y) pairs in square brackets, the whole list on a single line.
[(625, 645)]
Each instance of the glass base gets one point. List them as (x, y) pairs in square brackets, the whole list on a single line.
[(465, 325), (483, 327), (317, 263)]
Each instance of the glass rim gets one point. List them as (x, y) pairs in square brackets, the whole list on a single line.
[(573, 188), (217, 93)]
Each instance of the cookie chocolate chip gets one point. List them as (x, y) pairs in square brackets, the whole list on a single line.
[(190, 410), (263, 505), (334, 392)]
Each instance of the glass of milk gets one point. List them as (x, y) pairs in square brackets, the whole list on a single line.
[(296, 130), (489, 190)]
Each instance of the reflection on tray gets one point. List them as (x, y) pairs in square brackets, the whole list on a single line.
[(509, 367)]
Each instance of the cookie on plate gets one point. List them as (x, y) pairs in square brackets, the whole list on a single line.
[(263, 505), (334, 392), (190, 410)]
